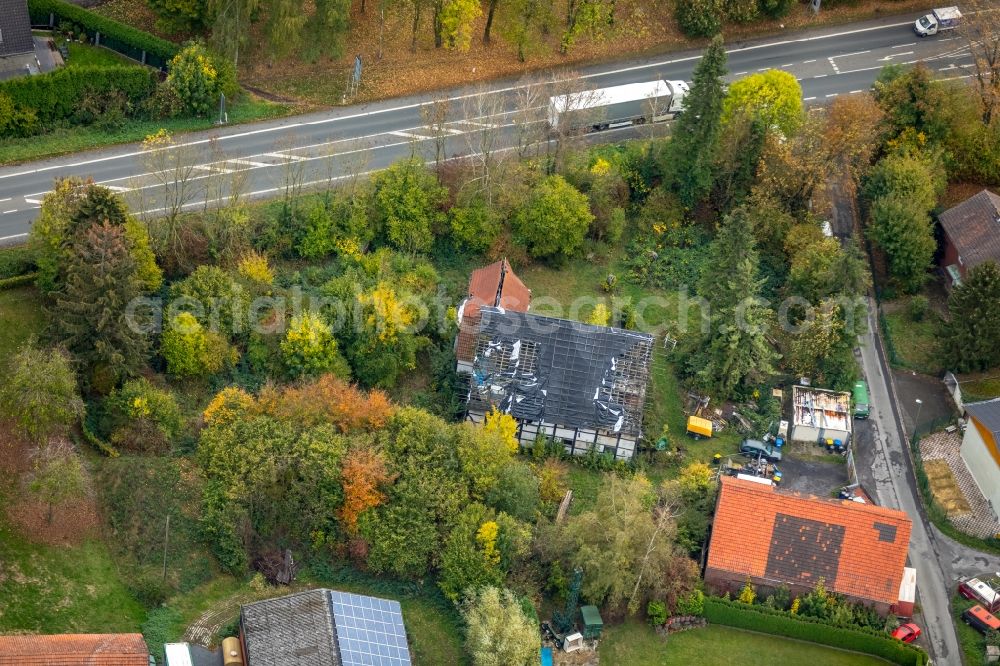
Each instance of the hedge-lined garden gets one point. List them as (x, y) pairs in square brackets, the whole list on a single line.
[(60, 95), (114, 35), (783, 623)]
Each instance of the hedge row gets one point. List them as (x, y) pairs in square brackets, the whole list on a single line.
[(18, 281), (97, 442), (57, 94), (780, 623), (114, 35), (16, 261)]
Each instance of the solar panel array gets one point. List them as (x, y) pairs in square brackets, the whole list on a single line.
[(370, 631)]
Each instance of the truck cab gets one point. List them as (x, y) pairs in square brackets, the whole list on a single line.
[(939, 20)]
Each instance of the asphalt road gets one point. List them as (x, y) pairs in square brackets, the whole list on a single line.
[(259, 159), (896, 488)]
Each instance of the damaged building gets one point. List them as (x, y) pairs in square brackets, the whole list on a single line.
[(579, 384)]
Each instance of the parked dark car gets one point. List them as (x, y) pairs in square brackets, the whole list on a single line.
[(755, 448)]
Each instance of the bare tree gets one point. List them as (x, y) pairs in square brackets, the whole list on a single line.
[(174, 176), (530, 105), (485, 110), (293, 172), (573, 111), (981, 28), (435, 116)]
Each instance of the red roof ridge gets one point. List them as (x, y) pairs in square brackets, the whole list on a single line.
[(764, 489), (73, 649)]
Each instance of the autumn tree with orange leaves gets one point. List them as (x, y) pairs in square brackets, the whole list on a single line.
[(363, 474)]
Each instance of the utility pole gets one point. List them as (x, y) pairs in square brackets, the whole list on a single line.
[(166, 541)]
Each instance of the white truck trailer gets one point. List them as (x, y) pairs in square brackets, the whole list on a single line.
[(617, 106), (939, 20)]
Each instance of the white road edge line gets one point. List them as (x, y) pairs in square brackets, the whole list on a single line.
[(285, 126), (12, 210), (3, 238)]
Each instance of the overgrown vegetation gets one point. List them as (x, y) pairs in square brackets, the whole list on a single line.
[(262, 397)]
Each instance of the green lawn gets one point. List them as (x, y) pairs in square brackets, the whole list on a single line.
[(62, 589), (636, 644), (74, 139), (84, 55), (21, 316), (981, 388), (917, 343)]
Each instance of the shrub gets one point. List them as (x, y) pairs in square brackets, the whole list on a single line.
[(699, 18), (918, 307), (191, 351), (656, 612), (215, 299), (309, 348), (408, 203), (475, 226), (198, 78), (775, 8), (16, 261), (114, 35), (554, 220), (741, 11), (254, 267), (14, 121), (692, 604), (143, 417)]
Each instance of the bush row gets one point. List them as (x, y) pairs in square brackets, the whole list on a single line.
[(61, 94), (18, 281), (781, 623), (16, 261), (114, 35)]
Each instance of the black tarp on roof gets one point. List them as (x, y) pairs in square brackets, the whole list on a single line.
[(560, 371)]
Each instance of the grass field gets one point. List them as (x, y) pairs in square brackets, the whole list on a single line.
[(21, 317), (636, 644), (917, 343), (62, 589), (83, 55)]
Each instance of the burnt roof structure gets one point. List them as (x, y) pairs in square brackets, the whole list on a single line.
[(325, 628), (15, 28), (559, 371)]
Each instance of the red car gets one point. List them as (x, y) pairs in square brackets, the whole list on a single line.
[(907, 633)]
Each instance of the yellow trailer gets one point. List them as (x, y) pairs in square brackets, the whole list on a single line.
[(699, 427)]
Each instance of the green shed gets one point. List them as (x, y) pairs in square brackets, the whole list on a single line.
[(592, 622)]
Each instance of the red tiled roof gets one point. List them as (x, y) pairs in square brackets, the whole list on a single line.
[(495, 285), (858, 549), (974, 228), (74, 650)]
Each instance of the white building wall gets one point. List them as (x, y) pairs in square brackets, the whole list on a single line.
[(976, 454)]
